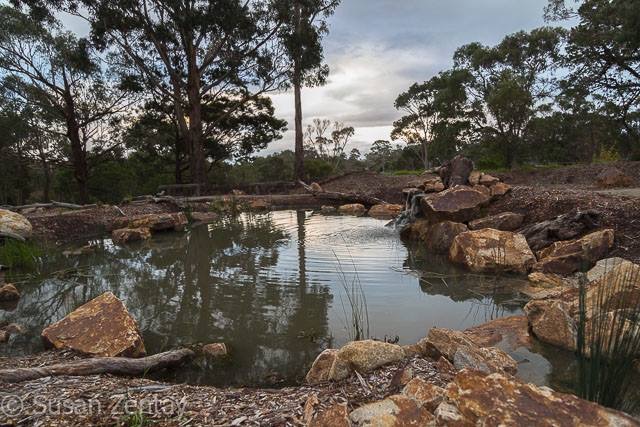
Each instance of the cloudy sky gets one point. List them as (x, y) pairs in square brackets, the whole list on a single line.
[(378, 48)]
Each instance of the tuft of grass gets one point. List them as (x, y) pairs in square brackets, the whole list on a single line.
[(137, 419), (357, 320), (608, 340), (15, 254)]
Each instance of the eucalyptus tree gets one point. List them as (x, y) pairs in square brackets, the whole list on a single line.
[(328, 144), (61, 76), (305, 26), (194, 52), (510, 83)]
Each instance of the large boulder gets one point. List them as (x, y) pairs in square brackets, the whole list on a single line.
[(386, 211), (459, 204), (505, 221), (14, 225), (321, 367), (432, 185), (417, 230), (613, 177), (364, 356), (438, 237), (568, 257), (476, 399), (499, 189), (456, 171), (490, 250), (552, 321), (463, 352), (604, 266), (508, 333), (154, 222), (102, 327), (128, 235), (355, 209), (426, 394), (564, 227)]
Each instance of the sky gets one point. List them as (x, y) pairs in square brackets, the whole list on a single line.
[(378, 48)]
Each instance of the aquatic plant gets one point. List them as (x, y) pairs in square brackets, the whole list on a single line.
[(608, 339), (17, 254), (357, 317)]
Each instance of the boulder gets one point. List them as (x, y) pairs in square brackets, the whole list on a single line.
[(4, 336), (316, 188), (154, 222), (456, 171), (564, 227), (321, 367), (463, 352), (484, 190), (476, 399), (328, 210), (335, 416), (488, 180), (9, 293), (459, 204), (549, 280), (396, 410), (505, 221), (507, 333), (433, 185), (552, 321), (424, 393), (499, 189), (568, 257), (474, 178), (364, 356), (215, 350), (490, 250), (205, 217), (613, 177), (14, 225), (102, 327), (604, 266), (438, 237), (416, 230), (387, 211), (355, 209), (128, 235)]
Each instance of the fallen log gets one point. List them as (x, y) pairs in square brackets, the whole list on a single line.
[(344, 197), (100, 365), (52, 204)]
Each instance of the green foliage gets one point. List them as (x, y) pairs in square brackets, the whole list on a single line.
[(15, 254), (608, 340)]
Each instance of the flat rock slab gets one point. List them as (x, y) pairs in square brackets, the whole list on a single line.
[(102, 327), (458, 204), (505, 221)]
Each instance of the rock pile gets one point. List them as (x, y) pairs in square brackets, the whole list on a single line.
[(446, 213), (132, 229)]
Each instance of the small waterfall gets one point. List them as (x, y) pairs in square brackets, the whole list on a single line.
[(411, 211)]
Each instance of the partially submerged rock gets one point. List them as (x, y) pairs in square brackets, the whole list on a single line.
[(9, 293), (364, 356), (101, 327), (477, 399), (328, 210), (215, 350), (438, 237), (204, 217), (568, 257), (386, 211), (459, 204), (355, 209), (463, 352), (552, 321), (14, 225), (491, 250), (321, 367), (128, 235), (507, 333), (505, 221), (154, 222)]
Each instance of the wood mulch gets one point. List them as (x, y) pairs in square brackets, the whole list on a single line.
[(109, 400)]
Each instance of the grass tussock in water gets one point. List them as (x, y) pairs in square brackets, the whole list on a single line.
[(15, 254), (608, 340), (355, 310)]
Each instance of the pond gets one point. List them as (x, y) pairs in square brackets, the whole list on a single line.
[(276, 288)]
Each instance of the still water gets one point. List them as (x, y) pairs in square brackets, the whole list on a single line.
[(274, 287)]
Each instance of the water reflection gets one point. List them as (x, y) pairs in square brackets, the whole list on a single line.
[(268, 285)]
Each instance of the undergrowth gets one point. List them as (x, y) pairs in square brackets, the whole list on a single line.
[(15, 254)]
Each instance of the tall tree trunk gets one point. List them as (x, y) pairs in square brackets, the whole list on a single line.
[(297, 89), (425, 148), (195, 140), (78, 152)]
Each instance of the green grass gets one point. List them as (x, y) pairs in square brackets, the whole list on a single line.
[(608, 341), (404, 172), (136, 419), (15, 254)]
